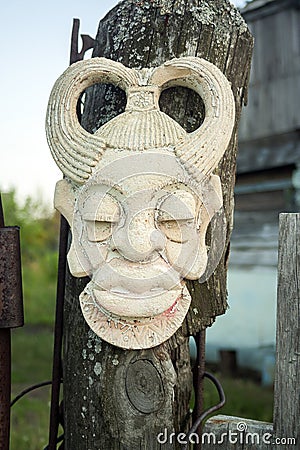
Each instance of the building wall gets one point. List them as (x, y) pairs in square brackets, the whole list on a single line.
[(268, 182), (273, 106)]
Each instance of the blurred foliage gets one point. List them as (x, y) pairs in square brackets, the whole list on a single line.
[(39, 249), (244, 398)]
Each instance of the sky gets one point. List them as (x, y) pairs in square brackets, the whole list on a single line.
[(35, 47)]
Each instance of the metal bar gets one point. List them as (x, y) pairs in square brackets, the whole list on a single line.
[(29, 389), (1, 213), (5, 387), (11, 315), (11, 298), (74, 41), (199, 379), (57, 370), (58, 336), (208, 411), (5, 374), (87, 43)]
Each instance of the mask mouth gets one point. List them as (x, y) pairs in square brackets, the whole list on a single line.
[(130, 306), (131, 330)]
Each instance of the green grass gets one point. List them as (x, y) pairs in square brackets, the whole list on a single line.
[(30, 421), (244, 398), (31, 363)]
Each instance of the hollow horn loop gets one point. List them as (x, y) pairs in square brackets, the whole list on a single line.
[(74, 150), (202, 149)]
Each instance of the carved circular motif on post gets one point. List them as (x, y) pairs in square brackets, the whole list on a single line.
[(144, 387)]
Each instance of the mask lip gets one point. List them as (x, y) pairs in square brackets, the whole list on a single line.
[(136, 334)]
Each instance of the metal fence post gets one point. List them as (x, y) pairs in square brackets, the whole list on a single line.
[(11, 316)]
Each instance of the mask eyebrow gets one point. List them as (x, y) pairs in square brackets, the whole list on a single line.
[(101, 217), (100, 184), (101, 207)]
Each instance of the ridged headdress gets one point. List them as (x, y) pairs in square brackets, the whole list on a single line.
[(142, 126)]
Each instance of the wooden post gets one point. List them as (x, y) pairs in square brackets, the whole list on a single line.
[(287, 375), (228, 362), (117, 399)]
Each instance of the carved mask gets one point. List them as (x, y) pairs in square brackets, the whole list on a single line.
[(139, 194)]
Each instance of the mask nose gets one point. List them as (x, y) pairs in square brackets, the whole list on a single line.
[(138, 239)]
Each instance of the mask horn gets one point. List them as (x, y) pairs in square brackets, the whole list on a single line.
[(74, 150), (202, 149)]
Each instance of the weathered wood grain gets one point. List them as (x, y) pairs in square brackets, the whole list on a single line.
[(287, 376), (102, 409), (229, 433), (274, 84)]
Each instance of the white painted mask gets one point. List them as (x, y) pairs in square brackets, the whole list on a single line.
[(139, 195)]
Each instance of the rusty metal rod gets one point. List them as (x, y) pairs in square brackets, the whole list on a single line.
[(5, 387), (29, 389), (5, 374), (87, 43), (199, 380), (207, 412), (57, 371), (11, 315), (58, 336), (1, 213)]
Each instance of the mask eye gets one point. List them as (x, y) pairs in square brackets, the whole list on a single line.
[(100, 216), (98, 231), (176, 230), (176, 216)]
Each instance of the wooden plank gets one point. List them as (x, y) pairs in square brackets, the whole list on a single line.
[(274, 84), (236, 433), (295, 39), (287, 375)]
